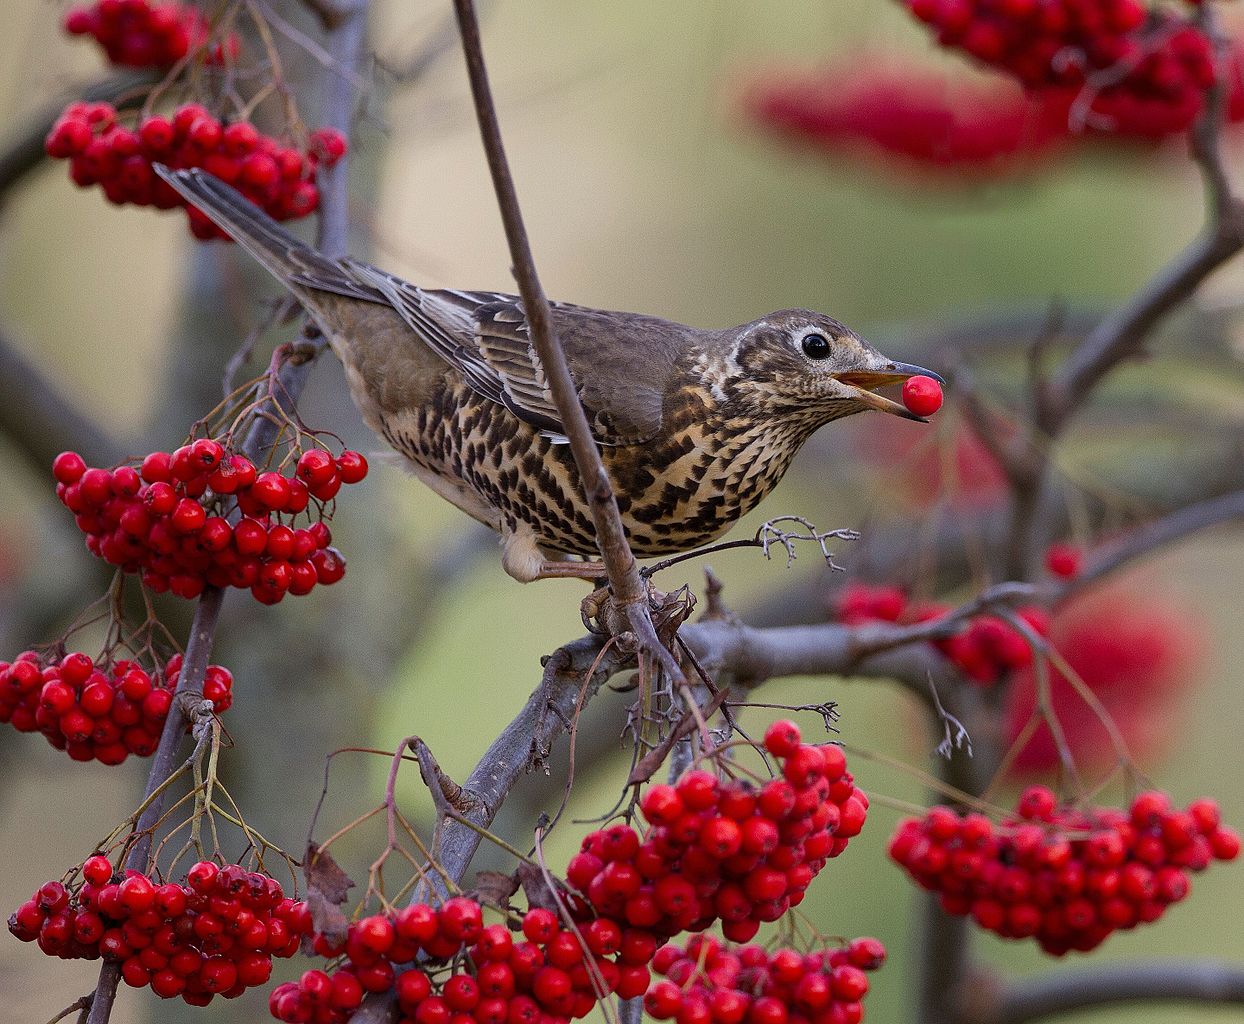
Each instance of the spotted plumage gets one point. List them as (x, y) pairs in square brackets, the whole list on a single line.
[(695, 426)]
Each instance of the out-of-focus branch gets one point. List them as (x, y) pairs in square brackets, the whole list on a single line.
[(1146, 539), (41, 422), (23, 151), (628, 588), (346, 44), (1065, 991), (1123, 334), (412, 68)]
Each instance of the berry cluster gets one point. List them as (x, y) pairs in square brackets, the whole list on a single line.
[(139, 34), (987, 650), (724, 850), (103, 152), (922, 118), (101, 712), (216, 934), (546, 977), (1138, 71), (708, 983), (1065, 876), (166, 519)]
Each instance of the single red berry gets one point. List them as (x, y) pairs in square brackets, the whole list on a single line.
[(782, 738), (922, 395), (68, 467), (352, 466), (97, 870)]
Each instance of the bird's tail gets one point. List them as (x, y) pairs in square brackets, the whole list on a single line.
[(289, 259)]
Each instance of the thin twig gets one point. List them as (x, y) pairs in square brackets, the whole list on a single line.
[(628, 587)]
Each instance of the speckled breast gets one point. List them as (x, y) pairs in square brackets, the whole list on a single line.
[(681, 490)]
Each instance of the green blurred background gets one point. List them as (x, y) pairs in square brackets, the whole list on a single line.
[(643, 189)]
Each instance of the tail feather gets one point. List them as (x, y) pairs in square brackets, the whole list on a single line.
[(289, 259)]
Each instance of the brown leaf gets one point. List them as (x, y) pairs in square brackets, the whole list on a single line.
[(536, 887), (495, 888), (327, 889), (325, 875)]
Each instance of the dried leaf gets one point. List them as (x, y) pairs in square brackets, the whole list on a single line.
[(495, 888), (327, 889), (536, 887), (324, 875)]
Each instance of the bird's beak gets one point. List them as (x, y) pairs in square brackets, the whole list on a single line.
[(862, 382)]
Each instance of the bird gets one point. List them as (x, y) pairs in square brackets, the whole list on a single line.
[(694, 426)]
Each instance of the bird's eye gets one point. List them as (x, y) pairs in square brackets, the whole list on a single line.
[(816, 346)]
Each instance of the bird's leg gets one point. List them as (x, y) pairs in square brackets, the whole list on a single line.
[(522, 558), (551, 570)]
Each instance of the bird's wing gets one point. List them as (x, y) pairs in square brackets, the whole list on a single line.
[(485, 335)]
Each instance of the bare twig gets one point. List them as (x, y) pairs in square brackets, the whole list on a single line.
[(628, 587)]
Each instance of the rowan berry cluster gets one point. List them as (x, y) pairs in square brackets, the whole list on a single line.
[(923, 118), (545, 977), (102, 712), (1140, 71), (987, 650), (166, 519), (711, 983), (1066, 876), (102, 151), (727, 851), (139, 34), (215, 934)]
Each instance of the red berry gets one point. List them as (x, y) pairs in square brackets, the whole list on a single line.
[(922, 395), (68, 467)]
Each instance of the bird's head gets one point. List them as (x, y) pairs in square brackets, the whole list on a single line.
[(804, 365)]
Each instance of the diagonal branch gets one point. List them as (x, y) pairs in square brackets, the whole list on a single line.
[(624, 579), (41, 422)]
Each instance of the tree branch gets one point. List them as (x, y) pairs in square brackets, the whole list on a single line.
[(628, 588), (1065, 991), (41, 422), (563, 689), (346, 44)]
